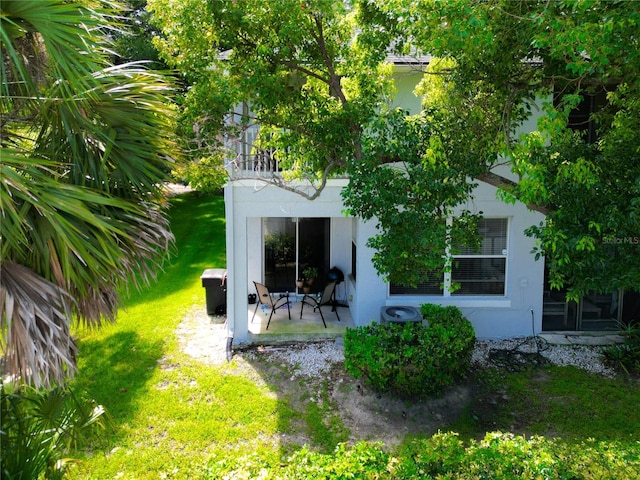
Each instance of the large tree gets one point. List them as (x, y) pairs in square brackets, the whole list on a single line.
[(85, 146), (312, 80), (314, 74), (496, 63), (134, 40)]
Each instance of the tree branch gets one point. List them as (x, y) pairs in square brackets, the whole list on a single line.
[(334, 79), (284, 185), (503, 183)]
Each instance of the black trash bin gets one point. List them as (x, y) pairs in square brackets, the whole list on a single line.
[(214, 280)]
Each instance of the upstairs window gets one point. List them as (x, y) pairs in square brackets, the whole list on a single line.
[(581, 118)]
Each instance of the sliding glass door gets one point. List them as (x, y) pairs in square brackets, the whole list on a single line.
[(594, 311), (290, 246)]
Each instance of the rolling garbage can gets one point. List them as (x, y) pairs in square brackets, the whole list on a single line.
[(214, 280)]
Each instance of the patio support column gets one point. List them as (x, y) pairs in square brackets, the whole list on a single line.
[(230, 252)]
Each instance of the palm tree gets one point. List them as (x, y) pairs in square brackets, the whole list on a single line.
[(85, 146)]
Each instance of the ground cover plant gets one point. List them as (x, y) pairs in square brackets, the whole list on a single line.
[(627, 355), (175, 416), (39, 426)]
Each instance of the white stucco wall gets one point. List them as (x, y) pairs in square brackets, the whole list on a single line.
[(247, 201), (492, 316), (406, 80), (509, 315), (250, 201), (368, 292)]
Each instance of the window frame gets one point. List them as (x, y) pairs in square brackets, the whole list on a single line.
[(447, 277), (480, 256)]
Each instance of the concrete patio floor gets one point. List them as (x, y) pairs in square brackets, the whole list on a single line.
[(307, 329)]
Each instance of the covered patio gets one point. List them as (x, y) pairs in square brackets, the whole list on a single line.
[(309, 328)]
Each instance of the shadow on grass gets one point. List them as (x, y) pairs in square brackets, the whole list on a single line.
[(115, 370), (555, 402)]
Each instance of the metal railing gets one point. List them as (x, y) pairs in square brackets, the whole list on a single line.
[(247, 161), (244, 158)]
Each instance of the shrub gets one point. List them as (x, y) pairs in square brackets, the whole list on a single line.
[(513, 457), (411, 359), (362, 461), (206, 175), (627, 355), (38, 427), (498, 455)]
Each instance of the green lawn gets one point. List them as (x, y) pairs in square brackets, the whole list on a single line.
[(170, 412), (176, 417)]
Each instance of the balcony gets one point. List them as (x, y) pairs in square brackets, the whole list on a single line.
[(247, 161)]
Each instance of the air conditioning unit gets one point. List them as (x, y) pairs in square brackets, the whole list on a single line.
[(399, 314)]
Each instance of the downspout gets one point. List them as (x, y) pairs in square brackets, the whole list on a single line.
[(231, 284)]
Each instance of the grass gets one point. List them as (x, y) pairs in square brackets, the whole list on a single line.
[(323, 422), (175, 417), (170, 412), (562, 402)]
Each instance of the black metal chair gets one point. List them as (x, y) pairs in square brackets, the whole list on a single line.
[(326, 299), (266, 298)]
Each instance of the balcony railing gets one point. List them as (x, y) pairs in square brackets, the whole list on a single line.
[(247, 161)]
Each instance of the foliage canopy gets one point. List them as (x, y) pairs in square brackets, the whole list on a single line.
[(85, 146), (316, 77)]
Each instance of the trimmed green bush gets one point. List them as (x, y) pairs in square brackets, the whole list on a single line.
[(412, 360)]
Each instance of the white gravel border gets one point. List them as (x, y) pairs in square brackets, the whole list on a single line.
[(589, 358), (316, 359), (305, 359)]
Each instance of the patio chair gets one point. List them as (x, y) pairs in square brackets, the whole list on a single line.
[(266, 298), (326, 299)]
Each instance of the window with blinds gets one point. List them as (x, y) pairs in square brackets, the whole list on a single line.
[(431, 287), (483, 272), (473, 272)]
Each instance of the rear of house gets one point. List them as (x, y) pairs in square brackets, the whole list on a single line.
[(274, 234)]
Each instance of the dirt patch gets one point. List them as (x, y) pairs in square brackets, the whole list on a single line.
[(314, 372), (379, 417), (364, 413)]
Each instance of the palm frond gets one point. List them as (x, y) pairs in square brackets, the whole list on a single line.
[(56, 23), (85, 148), (35, 314), (87, 242), (38, 427), (123, 131)]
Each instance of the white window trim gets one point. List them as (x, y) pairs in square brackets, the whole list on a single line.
[(450, 298)]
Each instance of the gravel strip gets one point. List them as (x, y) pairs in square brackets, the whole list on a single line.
[(588, 358), (315, 359), (310, 360)]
